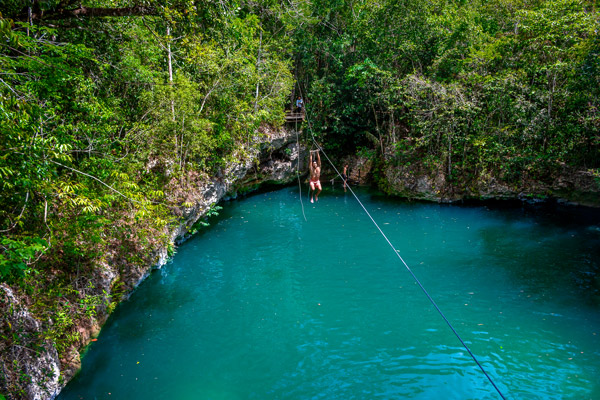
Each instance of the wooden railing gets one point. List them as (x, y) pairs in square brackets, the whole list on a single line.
[(294, 116)]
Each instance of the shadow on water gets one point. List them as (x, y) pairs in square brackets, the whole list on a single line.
[(134, 317), (561, 250), (538, 266)]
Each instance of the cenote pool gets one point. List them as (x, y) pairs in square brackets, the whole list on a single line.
[(265, 305)]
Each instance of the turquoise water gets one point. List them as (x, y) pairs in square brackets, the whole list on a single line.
[(265, 305)]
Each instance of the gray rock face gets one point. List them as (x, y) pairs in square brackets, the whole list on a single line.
[(569, 185), (42, 366)]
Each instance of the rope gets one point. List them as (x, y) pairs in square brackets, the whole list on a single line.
[(402, 260), (298, 171)]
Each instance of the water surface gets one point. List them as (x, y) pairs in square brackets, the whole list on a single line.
[(265, 305)]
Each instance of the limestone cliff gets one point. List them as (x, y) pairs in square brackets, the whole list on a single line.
[(567, 186), (415, 180)]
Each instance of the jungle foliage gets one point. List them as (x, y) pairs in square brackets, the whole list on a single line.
[(501, 87), (96, 120)]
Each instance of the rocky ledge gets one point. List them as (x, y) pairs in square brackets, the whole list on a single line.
[(567, 185)]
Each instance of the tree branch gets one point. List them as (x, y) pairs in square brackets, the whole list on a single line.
[(91, 12), (93, 177)]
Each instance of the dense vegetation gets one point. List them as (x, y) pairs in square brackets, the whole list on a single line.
[(109, 109), (501, 87), (466, 88)]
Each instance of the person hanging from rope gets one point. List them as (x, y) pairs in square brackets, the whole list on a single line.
[(315, 175), (345, 175)]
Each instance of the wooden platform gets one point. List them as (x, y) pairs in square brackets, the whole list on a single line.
[(294, 116)]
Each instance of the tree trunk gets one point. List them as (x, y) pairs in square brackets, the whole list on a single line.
[(258, 72)]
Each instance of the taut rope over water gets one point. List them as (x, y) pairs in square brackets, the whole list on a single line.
[(401, 259), (298, 171)]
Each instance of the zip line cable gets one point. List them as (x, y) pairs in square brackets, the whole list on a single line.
[(298, 171), (402, 260)]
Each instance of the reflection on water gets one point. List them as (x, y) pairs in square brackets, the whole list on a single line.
[(264, 305)]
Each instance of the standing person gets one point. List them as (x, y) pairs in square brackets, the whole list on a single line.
[(345, 175), (299, 104), (315, 175)]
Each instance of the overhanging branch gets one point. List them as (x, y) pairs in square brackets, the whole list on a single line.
[(92, 12)]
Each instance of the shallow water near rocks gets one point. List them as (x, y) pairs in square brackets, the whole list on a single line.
[(265, 305)]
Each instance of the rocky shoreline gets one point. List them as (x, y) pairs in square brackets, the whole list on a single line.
[(568, 186)]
